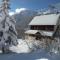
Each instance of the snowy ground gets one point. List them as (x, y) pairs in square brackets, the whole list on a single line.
[(22, 47), (37, 55), (22, 53), (25, 46)]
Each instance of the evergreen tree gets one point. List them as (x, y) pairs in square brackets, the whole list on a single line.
[(8, 34)]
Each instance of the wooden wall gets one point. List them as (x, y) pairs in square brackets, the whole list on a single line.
[(42, 27)]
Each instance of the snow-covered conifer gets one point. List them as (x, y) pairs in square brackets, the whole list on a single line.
[(8, 34)]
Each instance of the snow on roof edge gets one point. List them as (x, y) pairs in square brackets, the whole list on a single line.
[(50, 19), (43, 33)]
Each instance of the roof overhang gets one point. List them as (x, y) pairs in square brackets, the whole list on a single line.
[(43, 33), (50, 19)]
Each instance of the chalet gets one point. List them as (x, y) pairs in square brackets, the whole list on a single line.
[(42, 26)]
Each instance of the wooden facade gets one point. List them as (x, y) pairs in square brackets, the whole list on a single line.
[(42, 27)]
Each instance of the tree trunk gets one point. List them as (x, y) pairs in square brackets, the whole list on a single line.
[(3, 50)]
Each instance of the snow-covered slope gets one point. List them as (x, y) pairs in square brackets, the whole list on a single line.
[(26, 46), (23, 50), (22, 47)]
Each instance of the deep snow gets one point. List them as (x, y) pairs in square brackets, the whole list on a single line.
[(22, 52), (26, 46), (22, 47)]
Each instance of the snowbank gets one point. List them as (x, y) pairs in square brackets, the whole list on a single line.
[(26, 46), (22, 47)]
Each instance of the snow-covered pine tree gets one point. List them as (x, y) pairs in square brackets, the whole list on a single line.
[(8, 34)]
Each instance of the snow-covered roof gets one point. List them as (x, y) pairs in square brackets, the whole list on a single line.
[(43, 33), (47, 33), (50, 19), (31, 31)]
